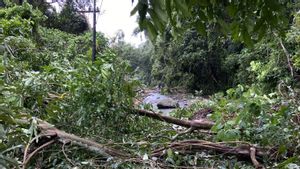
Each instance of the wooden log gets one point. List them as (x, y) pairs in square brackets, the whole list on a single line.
[(48, 129), (196, 124), (193, 146)]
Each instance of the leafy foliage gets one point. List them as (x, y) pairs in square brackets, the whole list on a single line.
[(68, 20), (246, 114), (244, 21), (293, 40), (196, 63), (53, 78), (139, 58)]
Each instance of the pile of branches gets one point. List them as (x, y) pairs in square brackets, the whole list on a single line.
[(239, 149)]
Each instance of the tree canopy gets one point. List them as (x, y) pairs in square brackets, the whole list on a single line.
[(245, 21)]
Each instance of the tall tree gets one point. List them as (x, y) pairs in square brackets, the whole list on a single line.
[(70, 21)]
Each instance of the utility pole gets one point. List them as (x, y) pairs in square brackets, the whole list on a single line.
[(94, 33), (94, 11)]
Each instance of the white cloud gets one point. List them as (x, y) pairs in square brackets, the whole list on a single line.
[(115, 15)]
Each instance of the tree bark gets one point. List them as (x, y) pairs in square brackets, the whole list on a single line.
[(193, 146), (49, 129), (196, 124)]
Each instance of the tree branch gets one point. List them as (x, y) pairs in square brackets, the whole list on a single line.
[(35, 151), (49, 129), (195, 124), (253, 158), (290, 65), (191, 146)]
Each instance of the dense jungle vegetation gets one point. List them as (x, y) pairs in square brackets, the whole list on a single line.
[(58, 109)]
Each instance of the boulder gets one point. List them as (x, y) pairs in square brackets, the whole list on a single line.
[(167, 103)]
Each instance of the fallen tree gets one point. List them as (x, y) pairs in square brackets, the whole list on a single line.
[(244, 150), (240, 149), (195, 124), (55, 135)]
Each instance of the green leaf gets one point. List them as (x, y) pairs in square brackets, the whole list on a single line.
[(224, 27), (181, 6), (258, 24), (283, 164), (168, 8), (135, 9), (170, 153), (7, 119), (203, 2), (152, 31), (161, 14), (156, 20), (232, 10), (6, 161), (142, 9), (246, 37), (282, 149), (200, 27)]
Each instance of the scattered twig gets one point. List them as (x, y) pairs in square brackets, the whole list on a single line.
[(8, 48), (189, 130), (206, 132), (192, 146), (30, 142), (256, 164), (66, 156), (287, 54), (35, 151)]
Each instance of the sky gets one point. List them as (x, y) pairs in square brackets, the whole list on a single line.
[(115, 15)]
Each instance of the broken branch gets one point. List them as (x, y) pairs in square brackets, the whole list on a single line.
[(192, 146), (253, 158), (35, 151), (195, 124), (91, 145)]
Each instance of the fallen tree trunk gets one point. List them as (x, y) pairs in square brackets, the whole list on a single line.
[(195, 124), (248, 151), (48, 130), (184, 147)]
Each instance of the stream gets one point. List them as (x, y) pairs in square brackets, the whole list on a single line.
[(153, 97)]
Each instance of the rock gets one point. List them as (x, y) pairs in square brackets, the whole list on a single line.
[(167, 103)]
